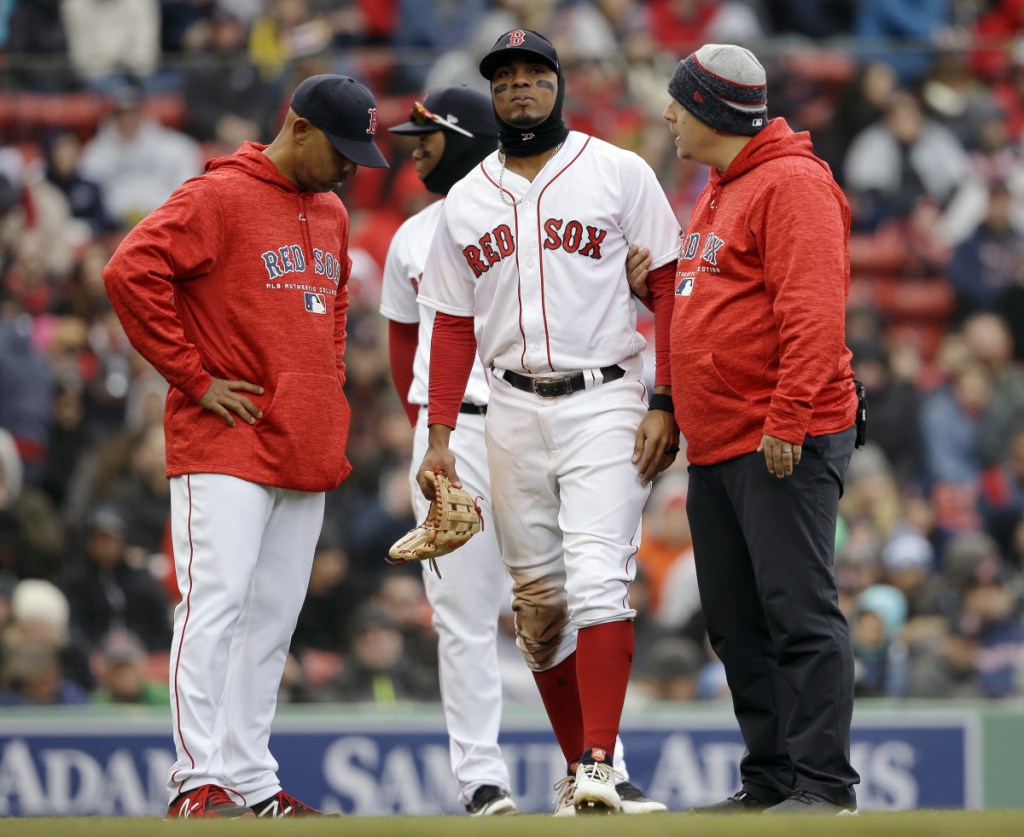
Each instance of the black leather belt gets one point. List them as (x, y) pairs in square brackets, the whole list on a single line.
[(473, 409), (554, 386)]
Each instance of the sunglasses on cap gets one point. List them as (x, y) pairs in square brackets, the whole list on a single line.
[(421, 116)]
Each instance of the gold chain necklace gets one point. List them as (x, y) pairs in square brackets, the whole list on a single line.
[(505, 199)]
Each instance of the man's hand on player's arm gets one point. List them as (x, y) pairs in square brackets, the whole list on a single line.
[(638, 263), (657, 440), (439, 457), (224, 398)]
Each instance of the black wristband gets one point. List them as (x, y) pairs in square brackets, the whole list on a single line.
[(661, 401)]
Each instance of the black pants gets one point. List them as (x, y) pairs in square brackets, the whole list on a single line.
[(764, 551)]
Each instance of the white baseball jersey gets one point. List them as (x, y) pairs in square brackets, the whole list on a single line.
[(403, 271), (546, 280), (476, 587)]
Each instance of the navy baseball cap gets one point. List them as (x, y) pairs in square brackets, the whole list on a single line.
[(346, 111), (519, 40), (458, 109)]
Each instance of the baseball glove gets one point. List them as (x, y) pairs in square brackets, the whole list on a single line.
[(454, 517)]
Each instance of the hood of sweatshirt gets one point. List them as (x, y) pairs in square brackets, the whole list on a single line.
[(251, 160), (775, 141)]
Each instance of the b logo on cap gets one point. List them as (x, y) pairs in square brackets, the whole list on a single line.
[(373, 121), (516, 38)]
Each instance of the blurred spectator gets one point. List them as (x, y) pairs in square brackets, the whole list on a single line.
[(143, 495), (84, 198), (666, 537), (880, 657), (25, 394), (108, 593), (1003, 501), (861, 103), (137, 161), (992, 620), (31, 540), (903, 33), (988, 262), (954, 98), (30, 675), (71, 438), (908, 562), (286, 30), (40, 617), (992, 36), (401, 597), (896, 162), (119, 667), (36, 32), (226, 98), (184, 23), (1009, 90), (430, 27), (950, 418), (811, 17), (380, 669), (671, 672), (112, 41), (681, 26), (322, 636), (894, 405), (988, 339)]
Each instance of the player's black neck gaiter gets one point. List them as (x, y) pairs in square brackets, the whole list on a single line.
[(525, 142), (459, 156)]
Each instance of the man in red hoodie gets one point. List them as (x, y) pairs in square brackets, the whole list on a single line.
[(235, 290), (764, 395)]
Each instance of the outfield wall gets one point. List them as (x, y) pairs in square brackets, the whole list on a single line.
[(114, 761)]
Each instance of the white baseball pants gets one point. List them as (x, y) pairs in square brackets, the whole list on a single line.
[(467, 602), (242, 554)]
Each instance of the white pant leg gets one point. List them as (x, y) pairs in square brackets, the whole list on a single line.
[(279, 587), (467, 602), (218, 527), (567, 496)]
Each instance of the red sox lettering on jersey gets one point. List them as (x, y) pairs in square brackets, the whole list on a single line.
[(709, 256), (499, 243), (292, 259), (554, 262)]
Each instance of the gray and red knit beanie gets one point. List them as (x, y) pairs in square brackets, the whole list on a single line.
[(724, 86)]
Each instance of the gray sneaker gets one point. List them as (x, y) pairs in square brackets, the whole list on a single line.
[(805, 802), (738, 803)]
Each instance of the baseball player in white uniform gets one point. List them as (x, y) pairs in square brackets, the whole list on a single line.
[(527, 265), (456, 130)]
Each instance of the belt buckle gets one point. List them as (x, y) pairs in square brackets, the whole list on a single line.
[(551, 387)]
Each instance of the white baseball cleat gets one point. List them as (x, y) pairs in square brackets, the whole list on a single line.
[(491, 801), (595, 787)]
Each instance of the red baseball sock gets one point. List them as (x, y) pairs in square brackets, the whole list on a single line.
[(561, 697), (604, 658)]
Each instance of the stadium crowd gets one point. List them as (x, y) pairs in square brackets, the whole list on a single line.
[(107, 105)]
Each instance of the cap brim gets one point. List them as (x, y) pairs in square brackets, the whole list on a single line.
[(490, 62), (413, 128), (364, 154)]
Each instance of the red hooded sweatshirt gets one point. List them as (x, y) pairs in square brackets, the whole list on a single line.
[(758, 330), (242, 276)]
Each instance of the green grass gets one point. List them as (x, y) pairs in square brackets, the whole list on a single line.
[(902, 824)]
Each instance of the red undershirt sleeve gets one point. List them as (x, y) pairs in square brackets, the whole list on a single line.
[(403, 339), (662, 285), (452, 352)]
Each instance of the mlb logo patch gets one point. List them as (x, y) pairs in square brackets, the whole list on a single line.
[(315, 303), (685, 286)]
